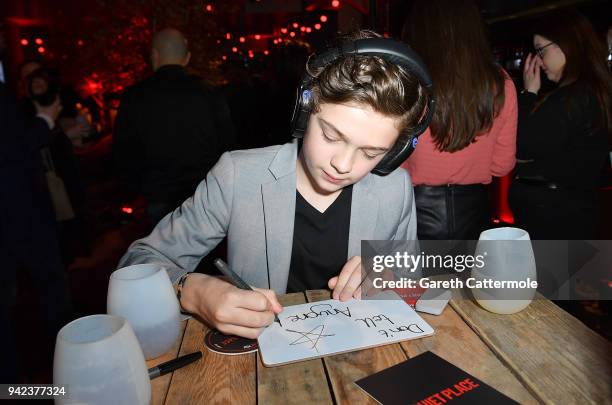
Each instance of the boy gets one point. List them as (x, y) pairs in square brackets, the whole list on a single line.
[(293, 213)]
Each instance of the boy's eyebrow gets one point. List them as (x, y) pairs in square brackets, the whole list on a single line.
[(337, 131)]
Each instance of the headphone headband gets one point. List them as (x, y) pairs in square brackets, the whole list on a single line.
[(392, 51)]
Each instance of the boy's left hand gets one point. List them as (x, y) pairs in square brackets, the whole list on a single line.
[(347, 284)]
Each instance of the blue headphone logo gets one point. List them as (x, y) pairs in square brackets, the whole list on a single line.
[(415, 140)]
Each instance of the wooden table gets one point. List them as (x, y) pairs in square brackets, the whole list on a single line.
[(541, 354)]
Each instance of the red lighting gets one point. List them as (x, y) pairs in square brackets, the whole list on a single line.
[(335, 4), (242, 39), (38, 41), (284, 30), (292, 34), (275, 42), (317, 26), (127, 210), (80, 42), (302, 29), (41, 49), (323, 18), (295, 25), (251, 54), (257, 36), (24, 42), (224, 57), (266, 52), (228, 36), (308, 30), (234, 49), (209, 8)]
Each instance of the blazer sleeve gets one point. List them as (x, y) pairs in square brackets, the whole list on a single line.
[(181, 239), (407, 227)]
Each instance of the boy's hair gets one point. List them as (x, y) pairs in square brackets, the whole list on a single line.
[(387, 88)]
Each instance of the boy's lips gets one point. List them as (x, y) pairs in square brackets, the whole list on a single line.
[(332, 179)]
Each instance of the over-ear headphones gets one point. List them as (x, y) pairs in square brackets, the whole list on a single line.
[(392, 51)]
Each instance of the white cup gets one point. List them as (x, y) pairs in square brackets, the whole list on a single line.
[(508, 256), (143, 294), (98, 360)]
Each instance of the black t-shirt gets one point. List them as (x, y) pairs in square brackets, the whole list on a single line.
[(320, 242)]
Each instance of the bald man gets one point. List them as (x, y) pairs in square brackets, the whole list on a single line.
[(170, 129), (169, 48)]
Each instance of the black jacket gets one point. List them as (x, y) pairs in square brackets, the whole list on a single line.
[(170, 131), (564, 137)]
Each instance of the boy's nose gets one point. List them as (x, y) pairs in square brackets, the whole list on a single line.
[(342, 161)]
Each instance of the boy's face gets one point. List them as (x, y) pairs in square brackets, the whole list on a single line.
[(343, 143)]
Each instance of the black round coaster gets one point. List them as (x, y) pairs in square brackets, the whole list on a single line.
[(218, 342)]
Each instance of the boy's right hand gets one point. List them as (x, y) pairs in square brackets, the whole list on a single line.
[(227, 308)]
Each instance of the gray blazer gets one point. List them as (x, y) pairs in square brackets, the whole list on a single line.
[(249, 196)]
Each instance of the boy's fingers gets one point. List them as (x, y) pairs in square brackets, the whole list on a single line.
[(229, 329), (332, 282), (270, 295), (351, 286), (251, 319), (252, 300), (349, 268)]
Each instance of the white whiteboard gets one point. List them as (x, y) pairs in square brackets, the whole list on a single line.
[(328, 327)]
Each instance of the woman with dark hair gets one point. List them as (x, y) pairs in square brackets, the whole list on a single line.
[(563, 133), (472, 136)]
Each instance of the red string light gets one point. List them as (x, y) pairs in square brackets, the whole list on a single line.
[(323, 18), (234, 49), (24, 42), (317, 26), (292, 34), (284, 30), (257, 37), (41, 49), (242, 39), (38, 41), (335, 4)]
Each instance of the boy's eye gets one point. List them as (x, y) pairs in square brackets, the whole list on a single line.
[(329, 138), (369, 156)]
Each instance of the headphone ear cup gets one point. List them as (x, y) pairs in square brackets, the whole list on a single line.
[(301, 113), (398, 153)]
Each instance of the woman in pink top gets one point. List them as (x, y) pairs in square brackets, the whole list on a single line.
[(472, 136)]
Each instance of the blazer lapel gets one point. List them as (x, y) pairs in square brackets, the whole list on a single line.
[(279, 216), (364, 216)]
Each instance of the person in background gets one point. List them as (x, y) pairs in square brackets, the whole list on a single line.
[(43, 87), (28, 232), (170, 129), (563, 133), (472, 136)]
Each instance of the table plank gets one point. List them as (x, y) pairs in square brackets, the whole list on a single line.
[(344, 369), (160, 385), (455, 342), (216, 379), (297, 383), (554, 354)]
